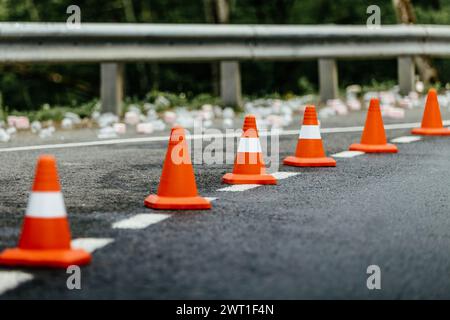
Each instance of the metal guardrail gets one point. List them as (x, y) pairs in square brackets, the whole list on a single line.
[(100, 42), (117, 43)]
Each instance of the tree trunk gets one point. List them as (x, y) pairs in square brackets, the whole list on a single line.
[(405, 15), (222, 11), (216, 11), (34, 13), (404, 11)]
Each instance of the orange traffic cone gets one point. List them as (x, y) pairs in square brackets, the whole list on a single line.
[(373, 139), (432, 121), (249, 165), (45, 238), (177, 188), (309, 152)]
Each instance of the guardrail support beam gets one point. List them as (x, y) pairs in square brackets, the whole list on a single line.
[(406, 74), (230, 83), (111, 87), (328, 79)]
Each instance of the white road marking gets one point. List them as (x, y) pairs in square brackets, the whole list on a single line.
[(70, 164), (245, 187), (91, 244), (284, 175), (140, 221), (12, 279), (406, 139), (211, 199), (347, 154), (112, 142), (239, 187), (199, 136)]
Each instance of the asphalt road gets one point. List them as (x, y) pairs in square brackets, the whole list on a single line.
[(311, 236)]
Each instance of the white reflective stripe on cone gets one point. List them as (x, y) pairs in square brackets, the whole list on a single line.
[(46, 205), (249, 145), (310, 132)]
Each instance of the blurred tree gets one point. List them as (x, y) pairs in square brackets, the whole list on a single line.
[(218, 12), (404, 11), (405, 14)]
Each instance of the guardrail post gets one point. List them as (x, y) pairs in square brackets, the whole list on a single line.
[(230, 83), (328, 79), (111, 87), (406, 74)]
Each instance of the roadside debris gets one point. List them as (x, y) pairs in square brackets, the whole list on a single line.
[(270, 113), (106, 133), (47, 132), (4, 136), (144, 128), (105, 119), (120, 128), (19, 122)]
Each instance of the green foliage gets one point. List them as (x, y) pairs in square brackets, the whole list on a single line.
[(378, 86), (56, 113), (28, 87), (204, 98), (433, 15), (166, 100), (305, 86)]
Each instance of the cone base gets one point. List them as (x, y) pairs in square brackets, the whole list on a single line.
[(44, 258), (171, 203), (431, 131), (374, 148), (309, 162), (233, 178)]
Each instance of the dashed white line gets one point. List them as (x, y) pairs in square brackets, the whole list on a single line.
[(347, 154), (140, 221), (406, 139), (245, 187), (239, 187), (284, 175), (91, 244), (12, 279)]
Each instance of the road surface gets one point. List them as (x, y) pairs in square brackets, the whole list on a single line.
[(311, 236)]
